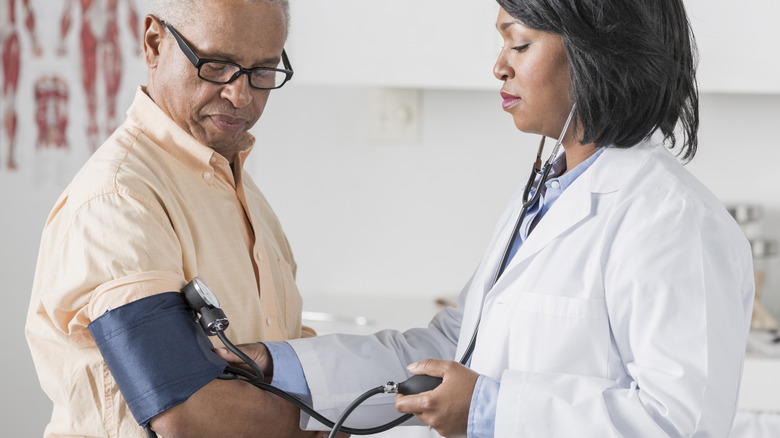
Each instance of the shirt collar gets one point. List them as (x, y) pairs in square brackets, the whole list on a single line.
[(559, 166), (169, 136), (558, 180)]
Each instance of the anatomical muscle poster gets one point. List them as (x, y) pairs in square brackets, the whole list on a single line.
[(69, 71)]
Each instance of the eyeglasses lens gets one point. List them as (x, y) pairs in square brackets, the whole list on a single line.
[(224, 73)]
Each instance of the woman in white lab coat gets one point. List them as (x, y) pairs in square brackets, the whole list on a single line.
[(625, 307)]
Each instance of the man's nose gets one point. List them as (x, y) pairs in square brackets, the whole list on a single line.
[(238, 92)]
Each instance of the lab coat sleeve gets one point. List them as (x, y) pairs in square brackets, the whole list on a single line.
[(678, 285), (339, 368)]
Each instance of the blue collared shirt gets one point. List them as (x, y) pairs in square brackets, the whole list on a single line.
[(482, 413), (292, 380)]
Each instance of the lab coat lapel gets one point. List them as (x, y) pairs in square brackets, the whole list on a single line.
[(573, 206), (482, 282), (607, 175), (610, 172)]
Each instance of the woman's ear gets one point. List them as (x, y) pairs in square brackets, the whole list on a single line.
[(152, 38)]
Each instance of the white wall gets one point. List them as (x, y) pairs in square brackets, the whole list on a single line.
[(404, 220), (414, 219)]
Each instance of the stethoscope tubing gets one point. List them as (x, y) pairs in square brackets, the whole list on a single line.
[(527, 203)]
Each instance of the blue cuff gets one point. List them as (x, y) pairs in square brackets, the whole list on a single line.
[(288, 373), (482, 413), (156, 353)]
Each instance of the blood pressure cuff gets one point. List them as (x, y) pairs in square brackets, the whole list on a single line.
[(158, 355)]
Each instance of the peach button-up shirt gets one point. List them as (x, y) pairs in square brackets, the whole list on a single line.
[(150, 210)]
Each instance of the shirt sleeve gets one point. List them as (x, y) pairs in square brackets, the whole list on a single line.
[(114, 249), (482, 413), (292, 380)]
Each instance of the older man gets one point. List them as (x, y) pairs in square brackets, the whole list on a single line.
[(165, 199)]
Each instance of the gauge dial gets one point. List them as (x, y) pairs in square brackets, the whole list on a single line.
[(205, 292)]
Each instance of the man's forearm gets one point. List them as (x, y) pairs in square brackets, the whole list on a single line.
[(230, 408)]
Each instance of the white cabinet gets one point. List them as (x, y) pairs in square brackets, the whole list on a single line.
[(401, 43), (739, 44), (453, 44)]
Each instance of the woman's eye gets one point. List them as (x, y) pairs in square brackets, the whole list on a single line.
[(520, 48)]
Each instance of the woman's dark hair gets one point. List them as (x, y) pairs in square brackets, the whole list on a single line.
[(632, 66)]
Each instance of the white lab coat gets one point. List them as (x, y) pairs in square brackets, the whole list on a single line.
[(625, 313)]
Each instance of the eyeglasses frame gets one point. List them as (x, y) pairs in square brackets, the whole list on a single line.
[(198, 62)]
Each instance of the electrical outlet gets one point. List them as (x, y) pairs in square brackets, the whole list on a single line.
[(394, 116)]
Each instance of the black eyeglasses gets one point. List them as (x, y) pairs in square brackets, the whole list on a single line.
[(223, 72)]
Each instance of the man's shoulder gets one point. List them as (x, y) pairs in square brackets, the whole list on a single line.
[(123, 165)]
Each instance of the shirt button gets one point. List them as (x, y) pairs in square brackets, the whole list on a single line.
[(213, 159), (268, 321), (206, 175), (555, 185)]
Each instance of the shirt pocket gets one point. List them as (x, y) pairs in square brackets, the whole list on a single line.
[(557, 334), (292, 303)]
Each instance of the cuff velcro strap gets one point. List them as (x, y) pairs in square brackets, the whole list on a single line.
[(158, 355)]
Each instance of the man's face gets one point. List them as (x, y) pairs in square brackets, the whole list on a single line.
[(248, 34)]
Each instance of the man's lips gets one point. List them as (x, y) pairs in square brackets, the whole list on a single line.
[(509, 100), (228, 123)]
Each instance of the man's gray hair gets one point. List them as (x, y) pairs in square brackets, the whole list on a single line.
[(178, 12)]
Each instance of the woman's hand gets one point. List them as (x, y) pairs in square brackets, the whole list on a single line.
[(446, 408), (255, 351)]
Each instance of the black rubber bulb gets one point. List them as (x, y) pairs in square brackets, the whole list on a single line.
[(417, 384)]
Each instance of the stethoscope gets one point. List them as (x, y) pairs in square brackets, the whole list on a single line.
[(214, 322), (535, 193)]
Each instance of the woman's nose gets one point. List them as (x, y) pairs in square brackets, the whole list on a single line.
[(501, 69)]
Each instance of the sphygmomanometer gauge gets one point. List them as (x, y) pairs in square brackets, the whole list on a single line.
[(205, 292), (203, 301)]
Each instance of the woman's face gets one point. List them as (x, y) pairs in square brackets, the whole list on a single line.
[(535, 71)]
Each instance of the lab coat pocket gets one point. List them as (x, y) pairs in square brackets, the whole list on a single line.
[(557, 334), (293, 303)]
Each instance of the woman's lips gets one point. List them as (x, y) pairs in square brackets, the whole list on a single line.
[(509, 100), (228, 124)]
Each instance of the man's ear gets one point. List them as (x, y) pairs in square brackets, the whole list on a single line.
[(153, 36)]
